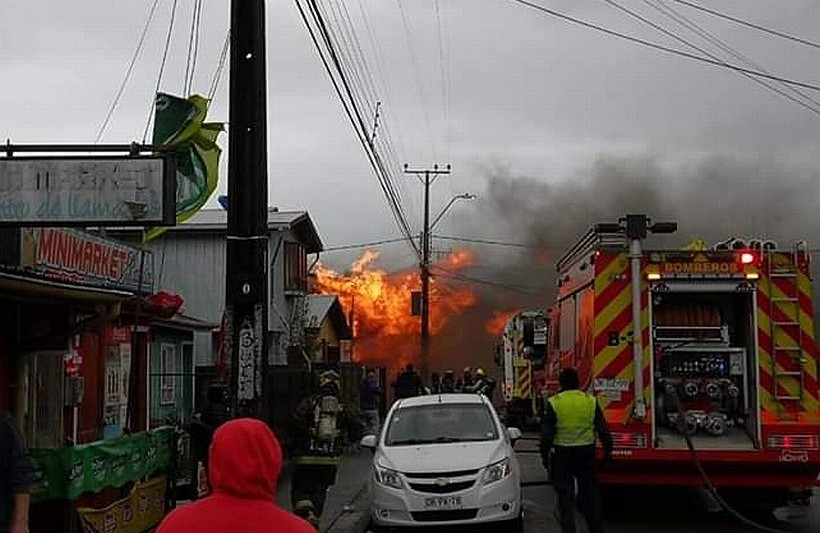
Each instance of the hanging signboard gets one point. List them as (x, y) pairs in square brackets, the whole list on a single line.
[(79, 257), (87, 191)]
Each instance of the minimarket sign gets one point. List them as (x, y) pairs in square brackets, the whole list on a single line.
[(78, 257)]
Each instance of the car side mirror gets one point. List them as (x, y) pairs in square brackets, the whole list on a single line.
[(369, 441), (515, 434)]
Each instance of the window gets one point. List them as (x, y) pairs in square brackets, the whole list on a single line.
[(168, 369), (296, 277), (429, 424)]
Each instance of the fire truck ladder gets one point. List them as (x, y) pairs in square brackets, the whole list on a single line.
[(786, 335)]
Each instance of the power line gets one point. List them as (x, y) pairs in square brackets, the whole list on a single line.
[(520, 289), (486, 241), (128, 72), (660, 47), (161, 68), (351, 109), (364, 244), (387, 181), (193, 48), (750, 24), (689, 25), (684, 21), (223, 56)]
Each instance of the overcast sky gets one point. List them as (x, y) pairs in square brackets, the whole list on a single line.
[(516, 90)]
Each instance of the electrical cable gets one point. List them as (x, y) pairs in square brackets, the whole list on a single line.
[(486, 241), (128, 72), (161, 69), (387, 182), (223, 56), (193, 48), (364, 244), (694, 27), (705, 52), (527, 291), (660, 47), (750, 24), (350, 110)]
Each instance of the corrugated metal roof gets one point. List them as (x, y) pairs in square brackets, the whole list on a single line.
[(218, 219), (318, 306)]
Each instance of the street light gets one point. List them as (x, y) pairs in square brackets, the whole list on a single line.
[(454, 199)]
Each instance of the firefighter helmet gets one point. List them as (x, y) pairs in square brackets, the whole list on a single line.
[(479, 372)]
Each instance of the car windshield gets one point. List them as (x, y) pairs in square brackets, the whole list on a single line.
[(441, 423)]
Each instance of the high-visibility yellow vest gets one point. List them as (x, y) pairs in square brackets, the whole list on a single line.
[(575, 411)]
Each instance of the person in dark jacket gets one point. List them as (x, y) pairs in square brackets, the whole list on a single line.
[(369, 403), (572, 420), (244, 466), (448, 382), (408, 384), (15, 479)]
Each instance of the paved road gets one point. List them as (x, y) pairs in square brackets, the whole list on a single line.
[(662, 511)]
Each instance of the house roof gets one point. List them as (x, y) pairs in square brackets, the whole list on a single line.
[(216, 221), (184, 322), (320, 306)]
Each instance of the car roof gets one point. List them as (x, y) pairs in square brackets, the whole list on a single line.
[(435, 399)]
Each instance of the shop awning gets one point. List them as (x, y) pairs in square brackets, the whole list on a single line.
[(27, 286)]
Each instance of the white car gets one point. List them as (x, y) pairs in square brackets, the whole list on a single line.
[(442, 460)]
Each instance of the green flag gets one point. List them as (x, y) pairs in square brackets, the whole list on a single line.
[(180, 123)]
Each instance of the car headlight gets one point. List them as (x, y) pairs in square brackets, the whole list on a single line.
[(388, 477), (497, 471)]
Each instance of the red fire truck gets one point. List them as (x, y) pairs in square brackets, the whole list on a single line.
[(700, 354)]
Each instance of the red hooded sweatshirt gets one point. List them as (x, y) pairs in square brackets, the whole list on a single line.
[(244, 466)]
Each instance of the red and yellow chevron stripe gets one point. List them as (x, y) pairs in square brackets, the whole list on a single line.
[(613, 314), (523, 382), (786, 343)]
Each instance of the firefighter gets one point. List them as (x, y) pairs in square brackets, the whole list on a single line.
[(316, 455), (483, 385), (448, 382), (572, 419), (466, 380)]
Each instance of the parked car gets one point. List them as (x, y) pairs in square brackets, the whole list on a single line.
[(444, 460)]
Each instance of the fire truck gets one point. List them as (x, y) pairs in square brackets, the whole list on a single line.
[(699, 355), (520, 353)]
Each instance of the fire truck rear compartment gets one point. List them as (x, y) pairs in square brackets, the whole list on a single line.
[(704, 357)]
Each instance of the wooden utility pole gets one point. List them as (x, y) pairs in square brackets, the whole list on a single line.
[(427, 177), (246, 287)]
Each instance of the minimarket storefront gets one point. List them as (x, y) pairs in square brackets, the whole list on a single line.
[(61, 330)]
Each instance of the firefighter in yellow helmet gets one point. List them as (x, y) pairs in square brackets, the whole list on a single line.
[(572, 419), (483, 384)]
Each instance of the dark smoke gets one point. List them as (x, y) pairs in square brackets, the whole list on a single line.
[(712, 199)]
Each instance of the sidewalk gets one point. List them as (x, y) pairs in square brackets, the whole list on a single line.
[(347, 507)]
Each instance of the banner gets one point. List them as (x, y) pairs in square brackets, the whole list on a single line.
[(140, 511), (66, 473), (180, 123)]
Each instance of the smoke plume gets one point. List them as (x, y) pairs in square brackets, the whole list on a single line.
[(712, 199)]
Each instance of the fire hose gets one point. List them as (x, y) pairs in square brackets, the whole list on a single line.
[(708, 485)]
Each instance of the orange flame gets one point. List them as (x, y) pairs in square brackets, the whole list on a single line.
[(495, 326), (385, 331)]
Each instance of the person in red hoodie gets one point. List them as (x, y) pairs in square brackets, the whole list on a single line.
[(243, 468)]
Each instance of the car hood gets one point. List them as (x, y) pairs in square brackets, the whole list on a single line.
[(449, 457)]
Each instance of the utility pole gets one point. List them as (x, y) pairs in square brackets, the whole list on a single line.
[(427, 177), (246, 287)]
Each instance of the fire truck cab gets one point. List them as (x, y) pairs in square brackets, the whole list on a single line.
[(698, 354)]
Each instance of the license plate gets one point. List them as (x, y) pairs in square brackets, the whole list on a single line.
[(443, 503)]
